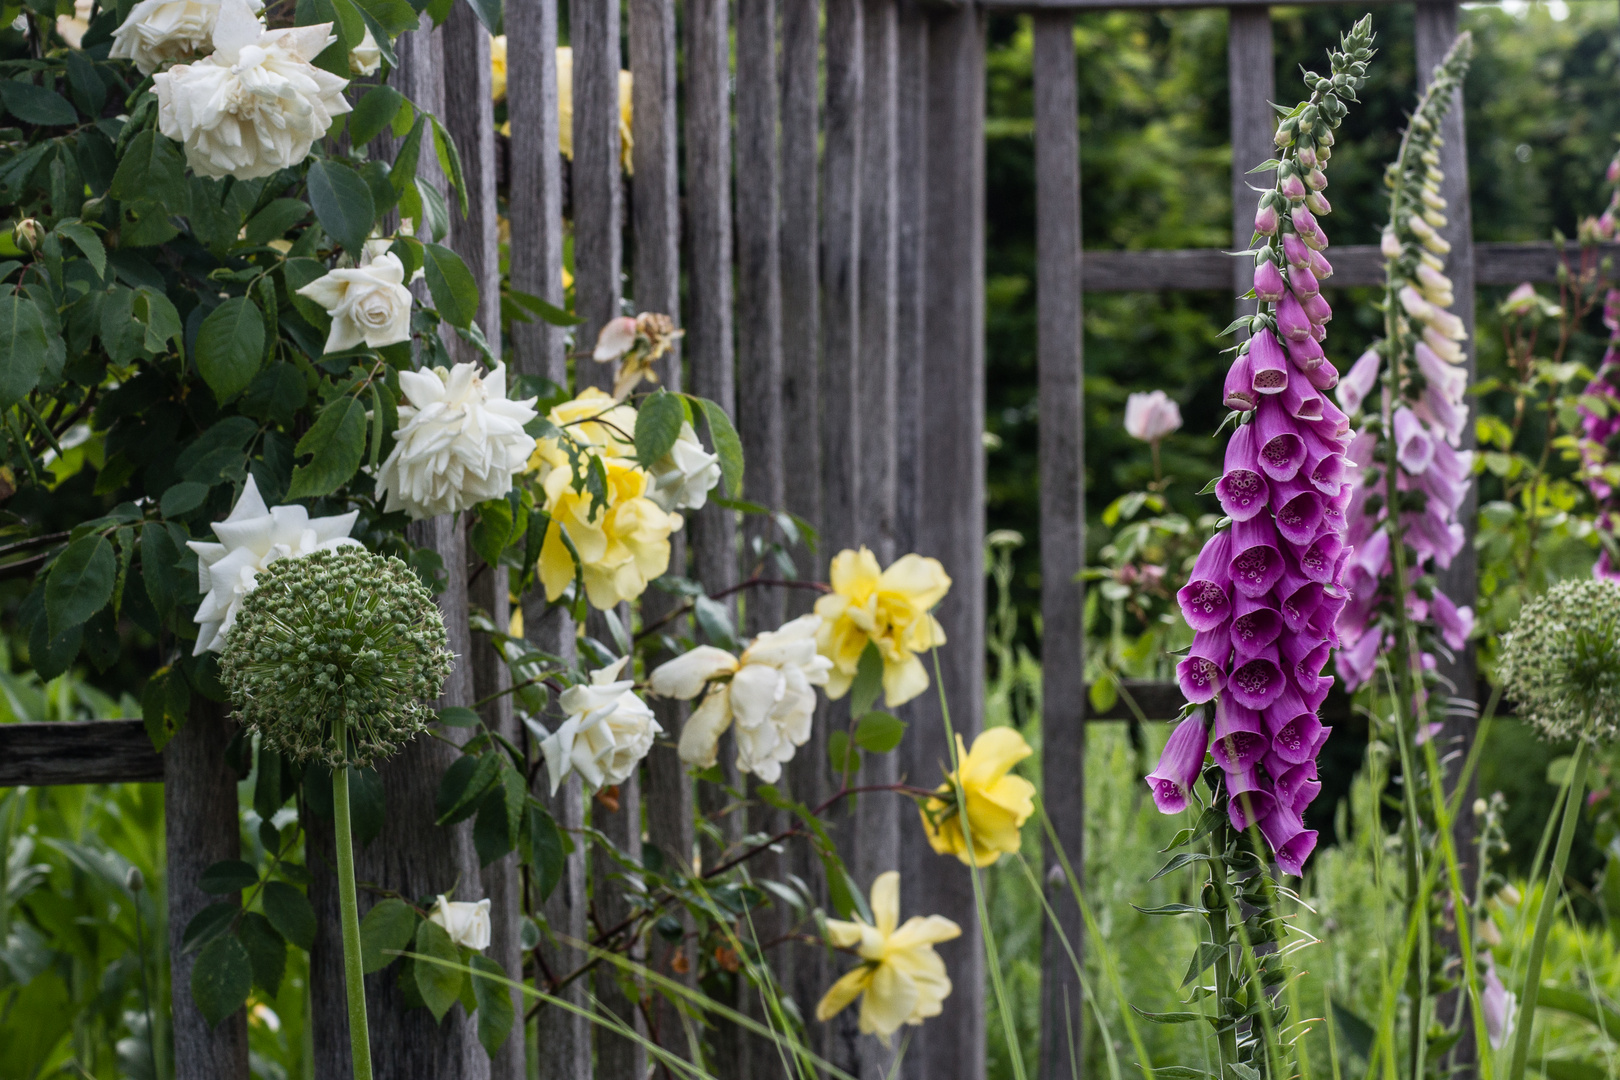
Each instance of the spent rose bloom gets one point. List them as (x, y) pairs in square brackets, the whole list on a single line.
[(466, 923), (768, 691), (157, 32), (459, 442), (368, 304), (889, 608), (1150, 417), (901, 979), (255, 106), (250, 539), (683, 478), (607, 732)]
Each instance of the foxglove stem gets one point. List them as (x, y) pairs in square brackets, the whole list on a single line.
[(353, 972), (1220, 934)]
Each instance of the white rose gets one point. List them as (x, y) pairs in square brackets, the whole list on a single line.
[(365, 58), (159, 31), (1150, 417), (683, 478), (459, 442), (607, 733), (368, 304), (252, 538), (467, 924), (257, 104), (770, 697)]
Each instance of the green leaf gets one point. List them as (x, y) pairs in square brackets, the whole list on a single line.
[(25, 344), (723, 436), (274, 220), (439, 986), (208, 924), (403, 174), (342, 203), (464, 783), (165, 701), (158, 558), (156, 312), (230, 347), (455, 294), (879, 732), (367, 808), (868, 683), (1167, 1017), (80, 583), (842, 753), (36, 105), (547, 852), (491, 837), (1207, 954), (266, 950), (228, 876), (495, 1012), (493, 531), (221, 979), (459, 716), (394, 16), (548, 312), (337, 442), (1186, 858), (387, 928), (85, 239), (445, 147), (289, 911), (151, 164), (374, 112), (658, 425)]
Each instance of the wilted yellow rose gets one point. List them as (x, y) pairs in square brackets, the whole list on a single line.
[(565, 109), (902, 977), (622, 546), (997, 804), (888, 608)]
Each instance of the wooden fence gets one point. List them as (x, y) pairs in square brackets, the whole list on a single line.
[(829, 236)]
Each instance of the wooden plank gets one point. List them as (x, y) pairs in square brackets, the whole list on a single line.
[(1128, 5), (840, 279), (534, 188), (1253, 86), (469, 117), (911, 343), (78, 752), (595, 179), (1063, 521), (952, 509)]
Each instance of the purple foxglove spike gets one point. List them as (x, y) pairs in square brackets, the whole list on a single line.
[(1257, 562), (1414, 449), (1334, 423), (1295, 737), (1324, 376), (1281, 449), (1359, 382), (1255, 625), (1439, 411), (1292, 854), (1307, 355), (1304, 284), (1432, 537), (1206, 600), (1373, 556), (1320, 266), (1325, 468), (1239, 739), (1239, 392), (1179, 765), (1304, 223), (1248, 798), (1334, 509), (1292, 322), (1444, 492), (1285, 708), (1265, 221), (1356, 664), (1258, 681), (1452, 381), (1299, 605), (1286, 778), (1317, 310), (1320, 559), (1292, 187), (1454, 623), (1268, 281), (1203, 673), (1300, 401), (1318, 203), (1455, 465), (1270, 364), (1242, 492), (1300, 517), (1295, 251), (1304, 659)]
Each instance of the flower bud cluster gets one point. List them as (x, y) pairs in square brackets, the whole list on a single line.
[(1418, 430), (335, 656), (1264, 594), (1600, 435)]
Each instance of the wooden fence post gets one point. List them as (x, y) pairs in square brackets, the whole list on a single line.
[(951, 526), (1252, 88), (200, 825), (1063, 522), (911, 155)]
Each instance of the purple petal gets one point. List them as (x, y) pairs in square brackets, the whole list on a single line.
[(1292, 322), (1359, 381), (1455, 623), (1269, 363), (1242, 491), (1268, 281), (1239, 391), (1203, 673), (1281, 449), (1257, 562), (1206, 598), (1239, 738), (1179, 765), (1255, 624), (1258, 681), (1295, 251), (1299, 518), (1414, 448), (1320, 559)]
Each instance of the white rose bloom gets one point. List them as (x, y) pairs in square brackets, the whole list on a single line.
[(467, 924), (608, 731), (683, 478), (257, 104), (159, 31), (365, 58), (458, 444), (369, 303), (770, 696), (252, 538)]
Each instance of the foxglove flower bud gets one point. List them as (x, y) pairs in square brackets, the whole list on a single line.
[(1358, 383), (1292, 322), (1265, 221), (1294, 249), (1268, 281), (1179, 765)]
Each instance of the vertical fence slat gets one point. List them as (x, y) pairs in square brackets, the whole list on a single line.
[(1062, 467), (534, 181), (952, 507), (594, 184), (1253, 86), (199, 808), (912, 156), (469, 116)]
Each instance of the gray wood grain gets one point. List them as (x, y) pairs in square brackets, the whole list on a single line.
[(910, 341), (952, 509), (77, 752), (593, 27), (1063, 519), (200, 814), (1103, 5), (1253, 86), (469, 117), (534, 187)]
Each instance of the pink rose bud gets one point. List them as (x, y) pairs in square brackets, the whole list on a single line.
[(1150, 417), (1268, 281)]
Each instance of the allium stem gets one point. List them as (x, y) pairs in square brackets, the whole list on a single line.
[(1544, 917), (353, 972)]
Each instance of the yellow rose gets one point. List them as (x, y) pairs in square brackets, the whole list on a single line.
[(997, 804), (889, 609), (591, 420), (497, 67), (621, 546), (902, 977), (565, 109)]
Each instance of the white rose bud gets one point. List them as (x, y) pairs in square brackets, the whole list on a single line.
[(365, 58), (467, 924), (683, 478), (368, 304), (1150, 417), (607, 733)]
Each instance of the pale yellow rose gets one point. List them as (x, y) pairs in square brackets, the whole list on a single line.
[(621, 546), (889, 608), (565, 109), (997, 804), (497, 67)]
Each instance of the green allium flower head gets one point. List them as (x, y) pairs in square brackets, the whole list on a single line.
[(341, 635), (1561, 661)]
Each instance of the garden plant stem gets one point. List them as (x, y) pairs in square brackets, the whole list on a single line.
[(353, 972)]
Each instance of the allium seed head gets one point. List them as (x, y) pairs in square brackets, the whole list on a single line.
[(1561, 661)]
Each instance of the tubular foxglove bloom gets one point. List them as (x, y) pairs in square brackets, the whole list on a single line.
[(1258, 598), (1600, 442)]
